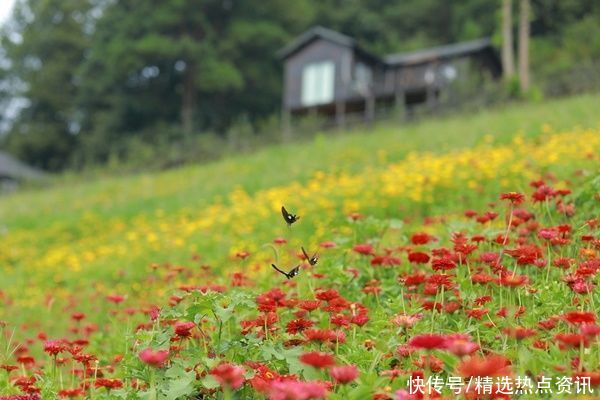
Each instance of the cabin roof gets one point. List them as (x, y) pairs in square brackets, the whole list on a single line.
[(441, 52), (12, 168), (397, 59), (319, 32)]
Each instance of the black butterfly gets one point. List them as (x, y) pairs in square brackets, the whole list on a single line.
[(311, 260), (293, 272), (289, 218)]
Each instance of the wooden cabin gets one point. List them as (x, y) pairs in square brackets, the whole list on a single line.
[(328, 74), (13, 171)]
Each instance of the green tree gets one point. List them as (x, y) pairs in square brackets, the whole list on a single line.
[(44, 44)]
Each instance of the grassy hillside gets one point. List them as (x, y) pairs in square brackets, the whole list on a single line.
[(149, 239), (90, 227)]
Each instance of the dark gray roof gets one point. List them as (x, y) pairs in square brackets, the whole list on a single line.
[(441, 52), (312, 33), (12, 168)]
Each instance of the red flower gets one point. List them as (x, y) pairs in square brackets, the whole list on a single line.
[(325, 335), (461, 345), (519, 332), (363, 248), (493, 365), (242, 255), (328, 245), (155, 358), (442, 264), (293, 390), (70, 393), (309, 305), (355, 216), (77, 316), (279, 240), (514, 197), (317, 359), (385, 260), (115, 298), (108, 383), (183, 328), (421, 238), (428, 342), (340, 320), (418, 257), (327, 295), (229, 375), (580, 317), (298, 325), (405, 321), (344, 374), (53, 347), (571, 340)]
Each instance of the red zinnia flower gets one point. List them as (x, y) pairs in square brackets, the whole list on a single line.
[(309, 305), (108, 383), (418, 257), (294, 390), (442, 264), (328, 244), (317, 359), (115, 298), (229, 375), (53, 347), (571, 340), (155, 358), (428, 342), (460, 345), (514, 197), (421, 238), (493, 365), (579, 317), (344, 374), (183, 328), (298, 325), (363, 248)]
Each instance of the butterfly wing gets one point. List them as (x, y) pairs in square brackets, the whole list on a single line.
[(289, 218), (293, 272), (306, 257), (280, 271)]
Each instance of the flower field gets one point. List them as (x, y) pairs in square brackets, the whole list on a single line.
[(462, 271)]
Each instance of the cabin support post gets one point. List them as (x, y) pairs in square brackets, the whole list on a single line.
[(340, 114), (399, 98), (370, 107), (286, 124), (431, 99)]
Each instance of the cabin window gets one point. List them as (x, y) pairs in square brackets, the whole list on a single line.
[(317, 83), (362, 78)]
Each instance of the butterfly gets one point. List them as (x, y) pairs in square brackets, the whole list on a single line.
[(293, 272), (311, 260), (289, 218)]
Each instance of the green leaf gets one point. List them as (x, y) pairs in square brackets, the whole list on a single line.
[(209, 382)]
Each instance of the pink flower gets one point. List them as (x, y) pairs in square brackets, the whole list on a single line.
[(344, 374), (183, 329), (317, 359), (363, 248), (229, 375), (155, 358), (291, 390), (460, 344)]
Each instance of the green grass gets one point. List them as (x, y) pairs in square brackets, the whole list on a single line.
[(69, 198), (134, 235)]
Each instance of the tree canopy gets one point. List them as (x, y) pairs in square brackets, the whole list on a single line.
[(80, 77)]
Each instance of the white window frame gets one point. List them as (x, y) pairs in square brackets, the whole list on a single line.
[(318, 83)]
